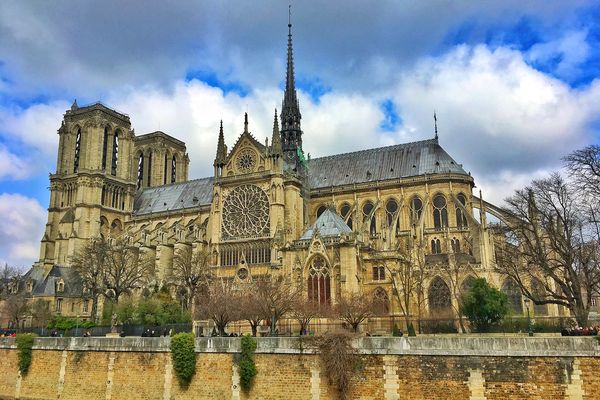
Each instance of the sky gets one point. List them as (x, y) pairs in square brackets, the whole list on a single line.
[(515, 84)]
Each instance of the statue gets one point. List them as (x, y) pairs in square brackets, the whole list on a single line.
[(113, 323)]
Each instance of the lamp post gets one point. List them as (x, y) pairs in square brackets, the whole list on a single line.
[(272, 321), (529, 327)]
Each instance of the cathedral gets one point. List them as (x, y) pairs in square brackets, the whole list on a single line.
[(334, 225)]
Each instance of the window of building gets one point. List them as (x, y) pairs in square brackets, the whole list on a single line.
[(321, 210), (455, 243), (461, 218), (104, 148), (165, 169), (77, 151), (539, 292), (58, 305), (60, 286), (438, 296), (85, 306), (381, 302), (173, 169), (416, 207), (345, 213), (149, 169), (392, 215), (515, 299), (440, 212), (319, 282), (115, 154), (467, 284), (369, 217), (436, 246), (379, 273), (140, 176)]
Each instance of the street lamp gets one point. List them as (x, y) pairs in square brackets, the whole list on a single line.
[(529, 327), (272, 321)]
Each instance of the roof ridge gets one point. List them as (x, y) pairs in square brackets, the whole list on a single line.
[(375, 148), (207, 178)]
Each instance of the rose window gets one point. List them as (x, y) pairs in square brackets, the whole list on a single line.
[(246, 213), (246, 160)]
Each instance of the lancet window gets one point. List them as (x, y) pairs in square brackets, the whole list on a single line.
[(455, 243), (255, 252), (515, 299), (77, 151), (319, 281), (166, 165), (321, 210), (369, 217), (149, 169), (436, 246), (345, 213), (461, 218), (173, 169), (104, 148), (416, 208), (140, 174), (381, 301), (392, 215), (440, 212), (440, 302), (115, 154)]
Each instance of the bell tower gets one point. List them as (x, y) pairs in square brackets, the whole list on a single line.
[(92, 190)]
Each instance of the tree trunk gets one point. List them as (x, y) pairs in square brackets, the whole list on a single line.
[(581, 315)]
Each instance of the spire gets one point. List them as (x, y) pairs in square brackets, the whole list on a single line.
[(291, 133), (435, 124), (276, 138), (245, 122), (221, 149)]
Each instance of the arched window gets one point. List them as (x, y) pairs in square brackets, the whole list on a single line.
[(60, 285), (165, 169), (140, 176), (416, 208), (116, 228), (104, 148), (467, 284), (436, 246), (379, 273), (369, 217), (319, 281), (115, 154), (537, 288), (455, 243), (461, 218), (440, 212), (381, 302), (345, 213), (149, 169), (77, 151), (173, 169), (438, 296), (511, 289), (321, 210), (392, 215)]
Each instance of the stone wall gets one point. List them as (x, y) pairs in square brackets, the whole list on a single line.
[(391, 368)]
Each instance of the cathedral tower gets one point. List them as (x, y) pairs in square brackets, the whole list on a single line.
[(91, 193)]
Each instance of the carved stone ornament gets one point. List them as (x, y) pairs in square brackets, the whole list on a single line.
[(246, 213), (246, 161)]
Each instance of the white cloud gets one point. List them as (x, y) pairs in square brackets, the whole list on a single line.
[(571, 50), (23, 221), (12, 166)]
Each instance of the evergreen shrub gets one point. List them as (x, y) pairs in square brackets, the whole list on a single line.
[(184, 357), (24, 346), (246, 366)]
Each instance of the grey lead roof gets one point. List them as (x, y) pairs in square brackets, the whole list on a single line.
[(45, 280), (391, 162), (328, 224), (398, 161), (176, 196)]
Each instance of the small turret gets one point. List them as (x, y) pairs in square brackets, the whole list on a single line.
[(221, 151), (276, 150)]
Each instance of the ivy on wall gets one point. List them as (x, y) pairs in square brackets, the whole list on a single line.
[(183, 354), (24, 346), (246, 366)]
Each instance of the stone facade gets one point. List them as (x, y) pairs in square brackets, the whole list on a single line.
[(335, 225), (399, 368)]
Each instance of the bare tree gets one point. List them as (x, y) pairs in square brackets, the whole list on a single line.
[(125, 269), (584, 167), (15, 306), (7, 275), (277, 296), (221, 305), (191, 273), (550, 250), (354, 309), (305, 310), (90, 262), (251, 308), (408, 278), (40, 312), (455, 274)]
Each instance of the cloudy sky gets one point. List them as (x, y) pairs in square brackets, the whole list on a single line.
[(514, 83)]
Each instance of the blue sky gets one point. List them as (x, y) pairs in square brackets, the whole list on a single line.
[(514, 84)]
